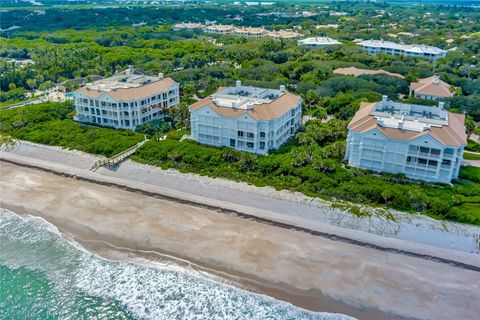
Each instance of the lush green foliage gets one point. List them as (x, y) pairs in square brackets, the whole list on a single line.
[(101, 41), (51, 124), (471, 156), (312, 164), (473, 146)]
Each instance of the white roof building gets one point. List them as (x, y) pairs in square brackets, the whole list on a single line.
[(380, 46), (318, 42), (187, 26)]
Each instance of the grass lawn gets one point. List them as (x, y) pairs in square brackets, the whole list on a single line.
[(471, 156)]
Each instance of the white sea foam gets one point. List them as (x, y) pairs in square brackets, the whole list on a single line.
[(148, 290)]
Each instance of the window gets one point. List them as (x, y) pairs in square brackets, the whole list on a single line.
[(250, 135), (232, 142), (449, 151), (262, 145), (240, 133), (446, 162), (435, 151), (262, 134), (413, 148), (432, 163), (422, 161), (424, 150), (250, 145)]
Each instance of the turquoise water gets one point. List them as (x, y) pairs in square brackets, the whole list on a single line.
[(46, 276)]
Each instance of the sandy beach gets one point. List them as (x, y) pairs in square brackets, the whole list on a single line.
[(308, 270)]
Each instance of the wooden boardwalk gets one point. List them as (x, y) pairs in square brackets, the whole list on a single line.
[(117, 158)]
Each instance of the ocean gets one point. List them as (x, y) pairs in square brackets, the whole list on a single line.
[(45, 275)]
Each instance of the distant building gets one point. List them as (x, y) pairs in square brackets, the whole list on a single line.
[(356, 72), (374, 47), (431, 88), (283, 34), (246, 118), (247, 32), (188, 26), (318, 42), (327, 26), (126, 100), (219, 29), (422, 142), (250, 32)]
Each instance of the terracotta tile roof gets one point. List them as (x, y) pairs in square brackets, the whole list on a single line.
[(284, 34), (432, 86), (220, 27), (452, 134), (266, 111), (134, 93), (353, 71), (249, 30)]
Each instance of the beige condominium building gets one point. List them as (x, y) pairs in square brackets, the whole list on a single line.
[(431, 88), (219, 29), (284, 34), (126, 100), (250, 32)]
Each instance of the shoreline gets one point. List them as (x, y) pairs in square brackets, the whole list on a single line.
[(117, 249), (369, 280), (277, 205), (256, 218)]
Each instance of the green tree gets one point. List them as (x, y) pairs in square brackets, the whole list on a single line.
[(470, 125)]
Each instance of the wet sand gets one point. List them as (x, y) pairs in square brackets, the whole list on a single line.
[(307, 270)]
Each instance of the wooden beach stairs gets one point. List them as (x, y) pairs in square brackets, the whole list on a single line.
[(118, 157)]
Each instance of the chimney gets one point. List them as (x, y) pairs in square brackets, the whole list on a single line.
[(436, 78), (238, 83), (441, 104), (282, 88), (160, 75)]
